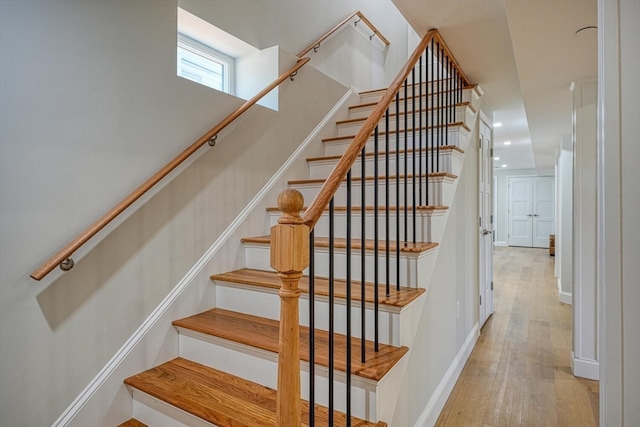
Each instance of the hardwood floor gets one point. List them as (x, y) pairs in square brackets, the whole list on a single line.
[(519, 373)]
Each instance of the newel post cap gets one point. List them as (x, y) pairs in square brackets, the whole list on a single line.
[(290, 237)]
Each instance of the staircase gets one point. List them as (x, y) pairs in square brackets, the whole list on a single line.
[(226, 372)]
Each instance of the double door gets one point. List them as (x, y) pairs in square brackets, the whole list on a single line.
[(531, 210)]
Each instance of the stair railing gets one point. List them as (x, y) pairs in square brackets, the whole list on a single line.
[(63, 259), (439, 90), (361, 18)]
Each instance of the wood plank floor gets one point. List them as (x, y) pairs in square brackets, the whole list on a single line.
[(519, 373)]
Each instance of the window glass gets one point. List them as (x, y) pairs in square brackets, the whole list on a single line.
[(204, 65)]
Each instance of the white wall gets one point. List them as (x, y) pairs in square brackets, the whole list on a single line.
[(90, 107), (440, 333), (618, 207), (349, 57)]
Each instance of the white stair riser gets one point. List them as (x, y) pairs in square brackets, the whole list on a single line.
[(428, 225), (261, 367), (266, 303), (448, 161), (468, 95), (372, 96), (456, 135), (154, 412), (439, 116), (438, 194), (258, 257)]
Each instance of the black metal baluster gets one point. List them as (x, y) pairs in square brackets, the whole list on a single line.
[(439, 109), (433, 105), (348, 284), (386, 199), (376, 240), (398, 190), (413, 151), (312, 324), (406, 148), (427, 153), (449, 104), (331, 310), (363, 235), (420, 135)]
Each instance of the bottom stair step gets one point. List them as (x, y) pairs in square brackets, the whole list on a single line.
[(221, 398)]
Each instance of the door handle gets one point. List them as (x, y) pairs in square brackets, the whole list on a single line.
[(485, 232), (529, 215), (535, 214)]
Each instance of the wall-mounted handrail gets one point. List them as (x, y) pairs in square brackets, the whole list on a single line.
[(331, 185), (63, 256), (329, 33)]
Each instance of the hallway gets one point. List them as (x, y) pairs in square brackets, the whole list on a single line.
[(519, 373)]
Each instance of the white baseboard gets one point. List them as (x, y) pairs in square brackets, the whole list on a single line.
[(585, 368), (501, 243), (440, 395), (565, 297), (73, 411)]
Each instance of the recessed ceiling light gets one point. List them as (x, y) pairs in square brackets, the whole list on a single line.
[(496, 158), (497, 125), (507, 143), (504, 166)]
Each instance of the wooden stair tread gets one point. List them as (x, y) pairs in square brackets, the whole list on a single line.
[(132, 423), (391, 153), (473, 87), (341, 243), (426, 82), (409, 97), (263, 333), (402, 113), (371, 178), (393, 131), (220, 398), (269, 279), (372, 208)]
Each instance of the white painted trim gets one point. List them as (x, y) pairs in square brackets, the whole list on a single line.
[(440, 395), (137, 337), (501, 243), (566, 298), (585, 368)]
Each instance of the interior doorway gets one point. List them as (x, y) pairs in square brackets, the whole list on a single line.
[(531, 210)]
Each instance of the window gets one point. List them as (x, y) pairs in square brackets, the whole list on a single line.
[(205, 65)]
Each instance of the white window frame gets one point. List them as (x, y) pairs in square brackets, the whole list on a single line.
[(210, 54)]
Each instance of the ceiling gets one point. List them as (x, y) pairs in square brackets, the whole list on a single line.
[(524, 54)]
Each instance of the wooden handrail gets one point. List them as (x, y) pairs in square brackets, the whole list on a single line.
[(104, 220), (331, 185), (328, 34)]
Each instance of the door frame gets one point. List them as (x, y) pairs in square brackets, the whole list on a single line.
[(486, 227)]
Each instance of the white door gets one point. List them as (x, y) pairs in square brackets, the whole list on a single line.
[(543, 211), (485, 222), (531, 211), (520, 216)]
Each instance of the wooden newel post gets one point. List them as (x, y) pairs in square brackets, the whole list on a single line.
[(289, 257)]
